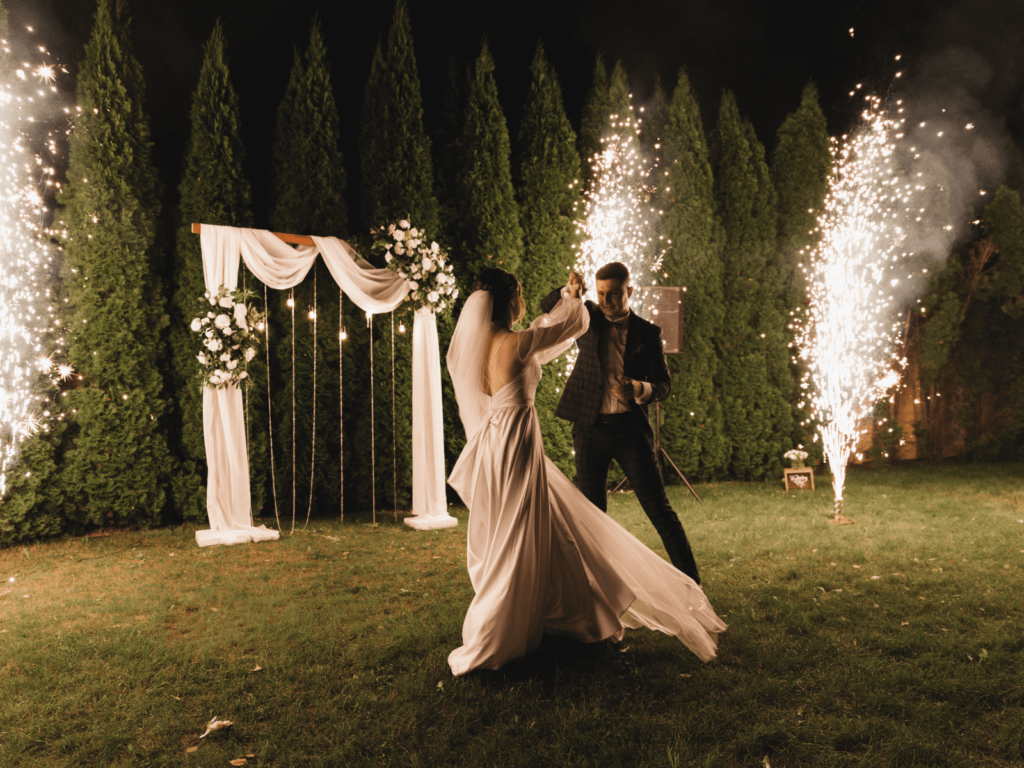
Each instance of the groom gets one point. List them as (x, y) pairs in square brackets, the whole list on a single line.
[(620, 369)]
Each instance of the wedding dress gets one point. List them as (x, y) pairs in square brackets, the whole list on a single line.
[(541, 557)]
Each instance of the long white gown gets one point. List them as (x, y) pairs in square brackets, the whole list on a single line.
[(541, 557)]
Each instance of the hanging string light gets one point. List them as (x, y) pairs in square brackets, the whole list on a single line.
[(291, 305), (341, 404), (394, 425), (373, 437), (312, 457), (270, 414)]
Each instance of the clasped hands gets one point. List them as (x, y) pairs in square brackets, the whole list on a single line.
[(576, 287)]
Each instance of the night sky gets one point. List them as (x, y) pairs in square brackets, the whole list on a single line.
[(971, 51)]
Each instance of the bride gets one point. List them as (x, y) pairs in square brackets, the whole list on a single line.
[(541, 557)]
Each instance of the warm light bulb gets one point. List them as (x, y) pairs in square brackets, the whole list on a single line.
[(312, 314), (401, 327)]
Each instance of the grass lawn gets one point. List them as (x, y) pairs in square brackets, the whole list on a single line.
[(896, 641)]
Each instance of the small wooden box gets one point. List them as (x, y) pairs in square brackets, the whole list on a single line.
[(801, 479)]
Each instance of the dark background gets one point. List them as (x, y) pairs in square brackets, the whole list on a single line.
[(765, 51)]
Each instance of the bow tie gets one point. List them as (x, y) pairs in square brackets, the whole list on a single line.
[(620, 325)]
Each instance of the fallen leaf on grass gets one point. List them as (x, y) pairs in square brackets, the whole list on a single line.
[(623, 649), (685, 674), (215, 725), (257, 668), (904, 623), (190, 750), (440, 686), (239, 761)]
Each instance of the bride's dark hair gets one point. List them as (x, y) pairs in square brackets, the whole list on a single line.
[(504, 288)]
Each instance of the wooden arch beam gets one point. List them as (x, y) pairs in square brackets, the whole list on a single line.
[(293, 239)]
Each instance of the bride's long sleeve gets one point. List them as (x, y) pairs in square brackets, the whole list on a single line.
[(552, 334)]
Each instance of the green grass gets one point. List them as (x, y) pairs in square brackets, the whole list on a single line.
[(896, 641)]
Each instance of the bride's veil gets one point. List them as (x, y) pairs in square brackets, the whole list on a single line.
[(466, 358)]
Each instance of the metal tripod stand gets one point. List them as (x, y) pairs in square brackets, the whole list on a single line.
[(659, 451)]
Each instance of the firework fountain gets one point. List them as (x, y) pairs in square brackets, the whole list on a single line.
[(849, 338), (617, 221), (27, 307)]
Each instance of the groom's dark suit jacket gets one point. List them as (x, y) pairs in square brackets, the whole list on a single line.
[(643, 360)]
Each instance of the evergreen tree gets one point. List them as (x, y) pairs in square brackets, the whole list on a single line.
[(308, 198), (398, 174), (620, 100), (486, 225), (596, 109), (752, 405), (446, 150), (693, 431), (213, 190), (654, 127), (801, 164), (548, 179), (397, 183), (117, 465)]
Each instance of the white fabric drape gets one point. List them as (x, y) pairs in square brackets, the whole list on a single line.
[(281, 266), (428, 496)]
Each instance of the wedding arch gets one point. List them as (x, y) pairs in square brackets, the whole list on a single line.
[(281, 262)]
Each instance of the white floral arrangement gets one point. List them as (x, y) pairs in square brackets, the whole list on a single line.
[(796, 457), (427, 268), (228, 335)]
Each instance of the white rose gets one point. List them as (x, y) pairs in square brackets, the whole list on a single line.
[(201, 358), (391, 229), (240, 311), (414, 285), (455, 293), (432, 297), (222, 321), (227, 331), (399, 235), (434, 247), (196, 324), (426, 264), (250, 353), (414, 232), (414, 244), (208, 334), (403, 224), (399, 249), (232, 364), (225, 357), (214, 345), (206, 320), (441, 306), (209, 314), (388, 257), (227, 302), (242, 375)]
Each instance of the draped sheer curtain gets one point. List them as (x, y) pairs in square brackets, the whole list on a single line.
[(281, 266)]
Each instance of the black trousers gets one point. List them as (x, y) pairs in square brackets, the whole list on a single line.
[(621, 439)]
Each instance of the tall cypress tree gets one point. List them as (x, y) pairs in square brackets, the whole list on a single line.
[(488, 232), (397, 170), (214, 190), (308, 198), (118, 464), (745, 204), (397, 183), (800, 169), (693, 431), (548, 178), (594, 122)]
